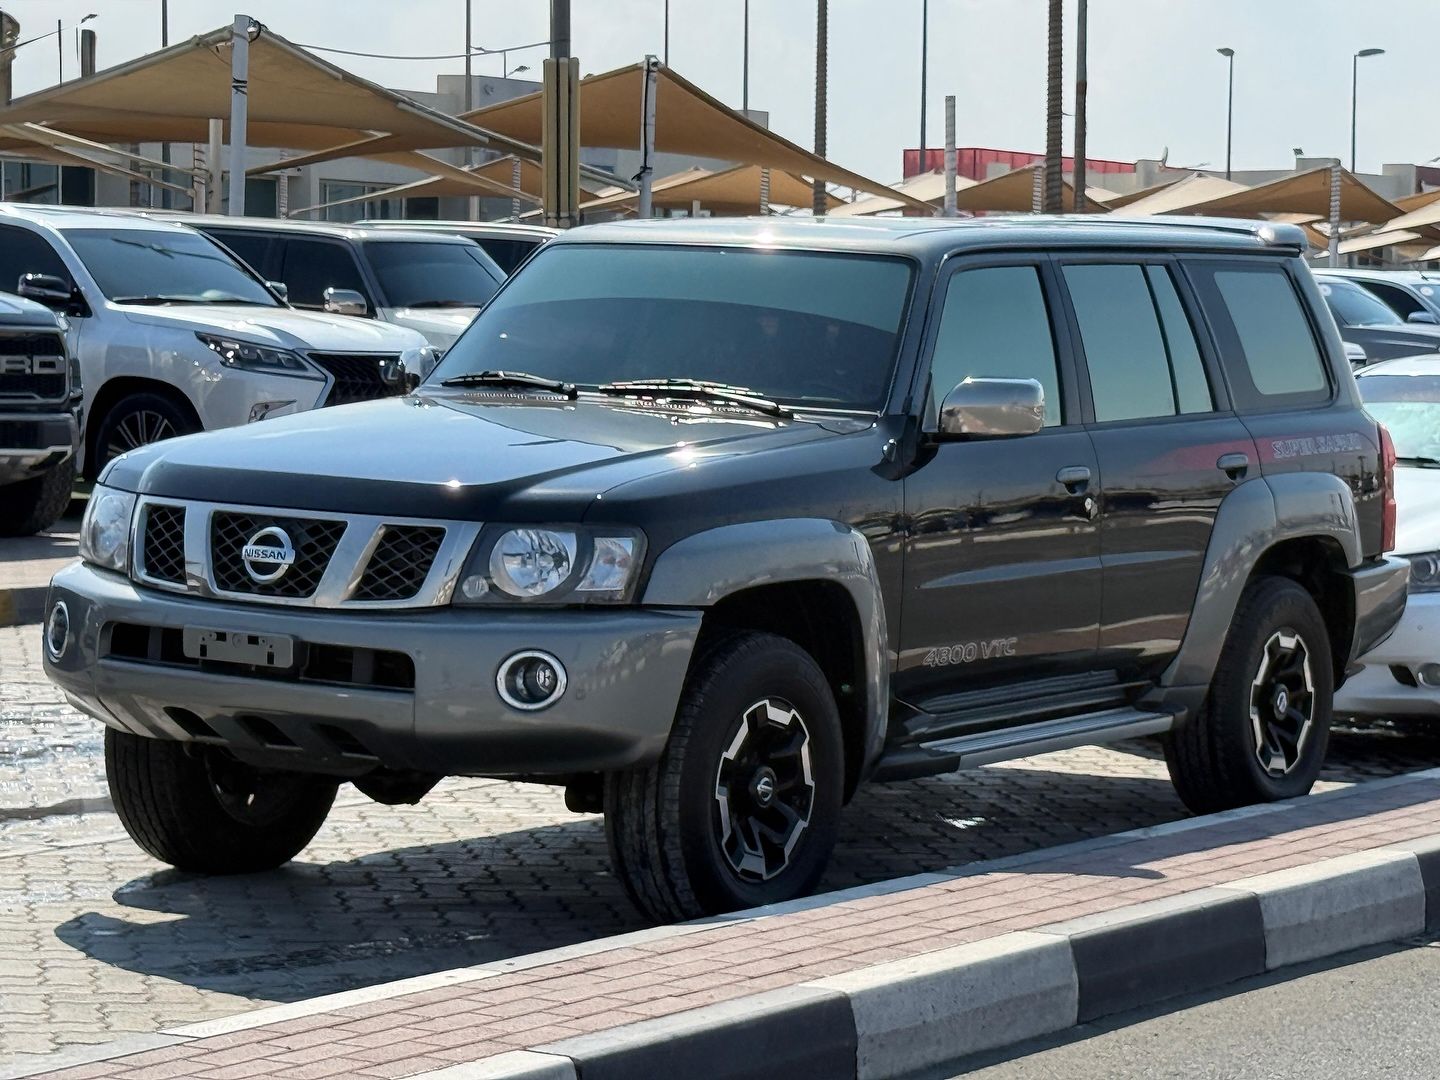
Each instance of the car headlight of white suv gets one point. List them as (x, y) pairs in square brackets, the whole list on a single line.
[(553, 564), (105, 529), (262, 358), (1425, 572)]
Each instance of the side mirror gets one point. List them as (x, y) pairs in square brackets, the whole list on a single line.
[(1422, 317), (345, 302), (1356, 355), (48, 289), (279, 288), (993, 408)]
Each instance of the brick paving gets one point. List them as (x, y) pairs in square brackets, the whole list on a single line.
[(415, 1032)]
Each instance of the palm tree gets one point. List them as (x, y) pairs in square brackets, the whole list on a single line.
[(822, 60), (1052, 202)]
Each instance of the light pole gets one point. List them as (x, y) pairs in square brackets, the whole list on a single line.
[(1229, 55), (745, 65), (667, 33), (924, 73), (1354, 96)]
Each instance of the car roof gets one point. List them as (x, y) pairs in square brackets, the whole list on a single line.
[(1404, 277), (332, 229), (83, 217), (1422, 364), (496, 229), (938, 236)]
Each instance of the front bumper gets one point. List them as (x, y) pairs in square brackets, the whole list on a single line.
[(625, 668), (32, 442), (1415, 644)]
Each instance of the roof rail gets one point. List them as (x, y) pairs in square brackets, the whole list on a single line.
[(1279, 233)]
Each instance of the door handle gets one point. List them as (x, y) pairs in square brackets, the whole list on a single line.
[(1234, 466), (1076, 478)]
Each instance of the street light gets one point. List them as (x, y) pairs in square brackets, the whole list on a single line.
[(1354, 76), (1229, 55)]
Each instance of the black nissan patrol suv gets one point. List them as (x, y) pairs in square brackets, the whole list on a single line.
[(39, 417), (713, 521)]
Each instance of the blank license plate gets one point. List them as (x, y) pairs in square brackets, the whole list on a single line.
[(234, 647)]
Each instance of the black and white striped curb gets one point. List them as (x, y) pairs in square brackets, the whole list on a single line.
[(938, 1008)]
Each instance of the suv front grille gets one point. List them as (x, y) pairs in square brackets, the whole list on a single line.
[(313, 541), (163, 552), (33, 367), (357, 378), (401, 562)]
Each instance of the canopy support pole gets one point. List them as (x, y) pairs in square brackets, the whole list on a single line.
[(1037, 191), (949, 155), (239, 110), (515, 183), (1334, 259), (765, 191), (215, 165), (645, 207)]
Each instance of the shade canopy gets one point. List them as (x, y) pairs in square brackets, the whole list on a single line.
[(1420, 210), (487, 180), (1179, 196), (687, 121), (728, 191), (1372, 241), (1307, 192), (1014, 192), (928, 187)]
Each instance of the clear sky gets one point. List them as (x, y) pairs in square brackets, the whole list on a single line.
[(1155, 78)]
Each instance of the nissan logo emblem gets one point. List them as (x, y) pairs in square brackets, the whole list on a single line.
[(268, 555)]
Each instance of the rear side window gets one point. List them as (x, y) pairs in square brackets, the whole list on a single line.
[(312, 266), (1139, 348), (1266, 341)]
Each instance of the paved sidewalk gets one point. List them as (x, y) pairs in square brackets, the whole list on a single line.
[(479, 1013)]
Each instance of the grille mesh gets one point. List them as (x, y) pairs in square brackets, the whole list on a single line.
[(357, 378), (28, 385), (164, 550), (314, 542), (400, 564)]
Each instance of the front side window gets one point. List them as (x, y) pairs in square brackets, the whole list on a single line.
[(995, 324), (145, 266), (432, 275), (807, 329), (312, 266), (1395, 298), (24, 252)]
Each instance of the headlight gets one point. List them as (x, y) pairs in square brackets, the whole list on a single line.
[(554, 564), (249, 357), (105, 529), (418, 363), (1425, 572)]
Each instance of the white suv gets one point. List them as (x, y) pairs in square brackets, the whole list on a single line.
[(173, 335)]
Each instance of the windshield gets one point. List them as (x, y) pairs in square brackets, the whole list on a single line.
[(1409, 406), (420, 274), (811, 329), (1353, 306), (179, 267)]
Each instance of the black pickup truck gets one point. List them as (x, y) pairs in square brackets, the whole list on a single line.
[(39, 417), (712, 522)]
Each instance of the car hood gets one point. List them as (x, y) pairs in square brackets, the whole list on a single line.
[(440, 327), (1417, 505), (18, 311), (465, 456), (282, 327)]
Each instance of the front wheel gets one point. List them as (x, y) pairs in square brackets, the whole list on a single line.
[(743, 807), (197, 808), (33, 505), (136, 421), (1265, 726)]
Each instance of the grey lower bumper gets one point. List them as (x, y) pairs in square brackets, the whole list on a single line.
[(30, 443), (625, 668), (1380, 593)]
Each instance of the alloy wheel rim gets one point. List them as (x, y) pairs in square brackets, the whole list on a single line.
[(137, 429), (1282, 703), (764, 790)]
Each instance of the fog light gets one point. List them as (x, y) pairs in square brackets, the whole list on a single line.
[(530, 680), (57, 630), (1429, 674)]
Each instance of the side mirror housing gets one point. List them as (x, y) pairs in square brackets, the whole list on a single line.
[(280, 289), (1355, 353), (993, 408), (345, 302), (48, 289), (1422, 317)]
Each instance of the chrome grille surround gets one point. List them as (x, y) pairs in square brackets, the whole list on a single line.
[(340, 582)]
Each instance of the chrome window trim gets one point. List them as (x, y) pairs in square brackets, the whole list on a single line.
[(342, 574)]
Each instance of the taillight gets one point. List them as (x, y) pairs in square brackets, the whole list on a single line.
[(1387, 481)]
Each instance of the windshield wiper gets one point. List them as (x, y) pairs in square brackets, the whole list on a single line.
[(440, 304), (511, 378), (157, 300), (698, 390), (1423, 462)]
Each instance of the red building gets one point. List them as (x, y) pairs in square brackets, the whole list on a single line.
[(974, 162)]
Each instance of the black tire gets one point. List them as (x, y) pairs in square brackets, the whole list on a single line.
[(169, 798), (1215, 759), (664, 821), (35, 504), (138, 420)]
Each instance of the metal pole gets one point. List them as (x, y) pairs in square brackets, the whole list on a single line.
[(1334, 245), (1354, 102), (215, 165), (1054, 183), (667, 33), (745, 72), (165, 199), (1037, 191), (1081, 89), (472, 205), (924, 78), (515, 183), (1230, 115), (60, 48), (282, 191), (87, 53), (822, 62), (559, 29), (199, 192), (645, 207), (949, 155), (239, 110), (764, 191)]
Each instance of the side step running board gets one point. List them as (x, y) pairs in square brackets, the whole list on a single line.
[(985, 747)]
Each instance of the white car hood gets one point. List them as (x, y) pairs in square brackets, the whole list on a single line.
[(1417, 505), (282, 327), (441, 326)]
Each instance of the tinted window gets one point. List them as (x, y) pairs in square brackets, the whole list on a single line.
[(436, 275), (995, 324), (1396, 299), (805, 328), (508, 254), (312, 266), (1137, 367), (251, 246), (1266, 342), (23, 252), (144, 265), (1409, 407), (1353, 306)]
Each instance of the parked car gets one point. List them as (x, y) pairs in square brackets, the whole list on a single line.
[(1365, 321), (1402, 676), (508, 243), (713, 521), (39, 417), (174, 336), (425, 281), (1414, 295)]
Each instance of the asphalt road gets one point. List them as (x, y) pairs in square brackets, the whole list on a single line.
[(1364, 1016)]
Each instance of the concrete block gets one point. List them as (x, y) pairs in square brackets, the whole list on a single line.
[(930, 1009), (1427, 854), (1340, 904)]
